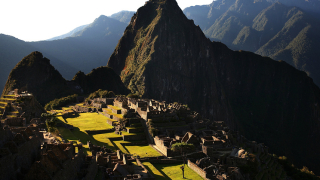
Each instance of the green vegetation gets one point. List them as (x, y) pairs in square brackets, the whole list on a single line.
[(101, 94), (51, 121), (182, 147), (7, 99), (296, 173), (155, 172), (93, 121), (136, 96), (173, 171), (88, 121), (58, 103), (143, 151), (113, 107)]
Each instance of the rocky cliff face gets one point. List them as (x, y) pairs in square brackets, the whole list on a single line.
[(163, 55), (275, 28)]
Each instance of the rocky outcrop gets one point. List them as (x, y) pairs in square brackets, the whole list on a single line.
[(163, 55)]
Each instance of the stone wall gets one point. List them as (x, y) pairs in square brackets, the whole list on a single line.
[(137, 130), (21, 158), (16, 121), (197, 169), (164, 149), (143, 114), (91, 170), (70, 168)]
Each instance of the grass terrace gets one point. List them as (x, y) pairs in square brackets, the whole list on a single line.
[(171, 171), (10, 95), (88, 121), (143, 151), (94, 121), (7, 99), (114, 107)]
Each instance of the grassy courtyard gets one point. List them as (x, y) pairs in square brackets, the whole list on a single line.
[(94, 121), (171, 171)]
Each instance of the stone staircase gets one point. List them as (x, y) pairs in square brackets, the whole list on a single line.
[(134, 129)]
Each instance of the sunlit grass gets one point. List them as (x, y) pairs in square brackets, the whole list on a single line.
[(118, 144), (94, 121), (88, 121), (143, 151), (154, 171), (103, 140), (114, 107), (173, 171)]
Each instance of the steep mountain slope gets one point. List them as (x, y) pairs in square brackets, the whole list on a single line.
[(35, 74), (307, 5), (100, 78), (268, 28), (88, 48), (163, 55), (69, 34), (12, 50), (123, 16)]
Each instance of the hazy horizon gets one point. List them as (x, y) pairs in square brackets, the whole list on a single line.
[(37, 20)]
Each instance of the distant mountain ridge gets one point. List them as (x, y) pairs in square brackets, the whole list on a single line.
[(12, 50), (266, 27), (123, 16), (163, 55), (69, 34), (87, 49)]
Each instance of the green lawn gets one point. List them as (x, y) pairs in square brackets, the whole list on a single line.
[(173, 171), (154, 171), (143, 151), (123, 149), (7, 99), (94, 121), (103, 140), (88, 121), (75, 136), (114, 107)]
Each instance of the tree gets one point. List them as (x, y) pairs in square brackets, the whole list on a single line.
[(181, 147), (51, 121)]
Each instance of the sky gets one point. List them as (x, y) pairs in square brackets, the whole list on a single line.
[(34, 20)]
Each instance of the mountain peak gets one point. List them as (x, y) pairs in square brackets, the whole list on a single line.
[(35, 74), (163, 55)]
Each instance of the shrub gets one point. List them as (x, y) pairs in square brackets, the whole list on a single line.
[(135, 96), (58, 103), (181, 147), (101, 94), (153, 131)]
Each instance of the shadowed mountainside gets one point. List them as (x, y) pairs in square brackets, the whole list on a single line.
[(163, 55), (35, 74), (12, 50), (266, 27)]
